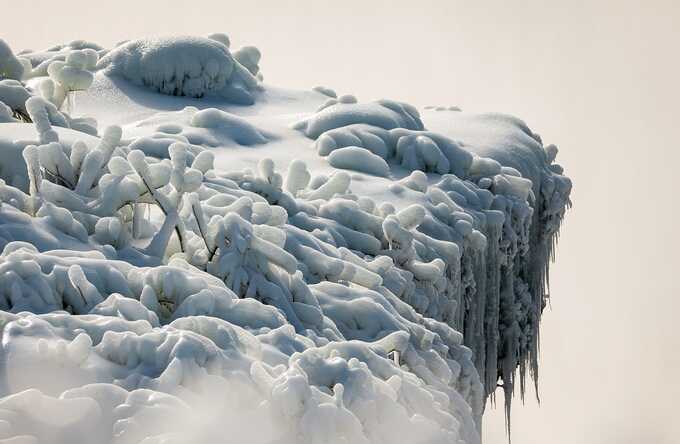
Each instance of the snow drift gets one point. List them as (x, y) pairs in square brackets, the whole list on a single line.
[(306, 268)]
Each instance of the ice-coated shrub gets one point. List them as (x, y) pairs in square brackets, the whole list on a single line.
[(180, 66), (72, 75), (14, 94), (40, 110), (297, 178), (220, 37), (38, 62), (392, 132), (69, 76), (249, 57), (184, 66), (229, 125)]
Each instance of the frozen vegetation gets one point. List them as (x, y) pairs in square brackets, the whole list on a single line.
[(189, 255)]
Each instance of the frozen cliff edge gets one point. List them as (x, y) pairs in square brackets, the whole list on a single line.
[(227, 261)]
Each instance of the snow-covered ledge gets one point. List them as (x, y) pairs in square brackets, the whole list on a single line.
[(188, 250)]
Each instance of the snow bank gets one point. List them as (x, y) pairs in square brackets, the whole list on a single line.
[(148, 295)]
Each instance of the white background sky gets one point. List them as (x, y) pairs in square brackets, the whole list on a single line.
[(598, 78)]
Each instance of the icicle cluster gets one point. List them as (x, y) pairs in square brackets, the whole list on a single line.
[(494, 230)]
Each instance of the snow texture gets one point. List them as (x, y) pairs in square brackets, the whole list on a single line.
[(193, 267)]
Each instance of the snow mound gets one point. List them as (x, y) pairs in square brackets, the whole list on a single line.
[(386, 114), (182, 66), (359, 159), (209, 127), (233, 127)]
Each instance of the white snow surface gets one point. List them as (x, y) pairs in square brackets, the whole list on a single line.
[(189, 255)]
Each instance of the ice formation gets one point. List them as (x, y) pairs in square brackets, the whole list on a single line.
[(176, 267)]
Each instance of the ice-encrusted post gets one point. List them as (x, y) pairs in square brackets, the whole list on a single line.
[(37, 109)]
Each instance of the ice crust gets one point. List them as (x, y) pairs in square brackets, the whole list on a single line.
[(194, 267)]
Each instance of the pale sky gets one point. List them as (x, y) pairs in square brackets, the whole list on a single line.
[(598, 78)]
